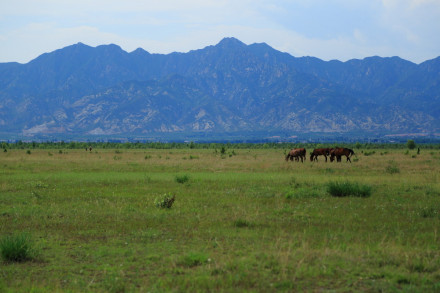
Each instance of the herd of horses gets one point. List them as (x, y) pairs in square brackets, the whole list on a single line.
[(336, 152)]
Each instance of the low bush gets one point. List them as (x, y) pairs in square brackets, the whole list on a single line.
[(341, 189), (17, 248), (165, 201)]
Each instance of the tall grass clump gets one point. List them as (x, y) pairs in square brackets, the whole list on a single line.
[(17, 248), (182, 178), (342, 189)]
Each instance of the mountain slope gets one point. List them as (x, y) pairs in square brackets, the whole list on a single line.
[(227, 87)]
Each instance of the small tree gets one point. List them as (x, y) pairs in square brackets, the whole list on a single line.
[(411, 144)]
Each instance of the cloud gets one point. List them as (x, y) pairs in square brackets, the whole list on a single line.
[(328, 29)]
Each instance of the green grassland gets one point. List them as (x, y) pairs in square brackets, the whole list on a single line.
[(242, 221)]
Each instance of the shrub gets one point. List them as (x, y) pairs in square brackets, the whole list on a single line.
[(341, 189), (28, 152), (17, 248), (165, 201), (411, 144), (182, 178)]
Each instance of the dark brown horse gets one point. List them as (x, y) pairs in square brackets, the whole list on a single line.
[(339, 152), (299, 153), (319, 152), (332, 153)]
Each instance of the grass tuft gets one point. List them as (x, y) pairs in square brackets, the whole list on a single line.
[(17, 248), (342, 189), (193, 259), (392, 168), (429, 212), (240, 223), (182, 178)]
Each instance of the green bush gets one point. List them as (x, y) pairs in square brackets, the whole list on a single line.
[(17, 248), (411, 144), (341, 189), (165, 201)]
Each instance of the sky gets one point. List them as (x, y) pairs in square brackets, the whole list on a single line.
[(327, 29)]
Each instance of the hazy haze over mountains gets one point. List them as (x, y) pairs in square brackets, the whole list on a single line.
[(229, 87)]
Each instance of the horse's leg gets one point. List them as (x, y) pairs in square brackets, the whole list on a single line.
[(325, 158)]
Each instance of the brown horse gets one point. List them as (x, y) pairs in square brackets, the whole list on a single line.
[(319, 152), (339, 152), (299, 153), (332, 154)]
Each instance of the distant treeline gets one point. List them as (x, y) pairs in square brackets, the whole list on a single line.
[(192, 145)]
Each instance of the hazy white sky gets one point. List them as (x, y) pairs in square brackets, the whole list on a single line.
[(327, 29)]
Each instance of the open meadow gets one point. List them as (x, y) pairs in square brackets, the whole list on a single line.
[(245, 220)]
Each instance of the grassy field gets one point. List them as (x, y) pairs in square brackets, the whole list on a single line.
[(243, 221)]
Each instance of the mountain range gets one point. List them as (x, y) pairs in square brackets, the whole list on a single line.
[(225, 88)]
